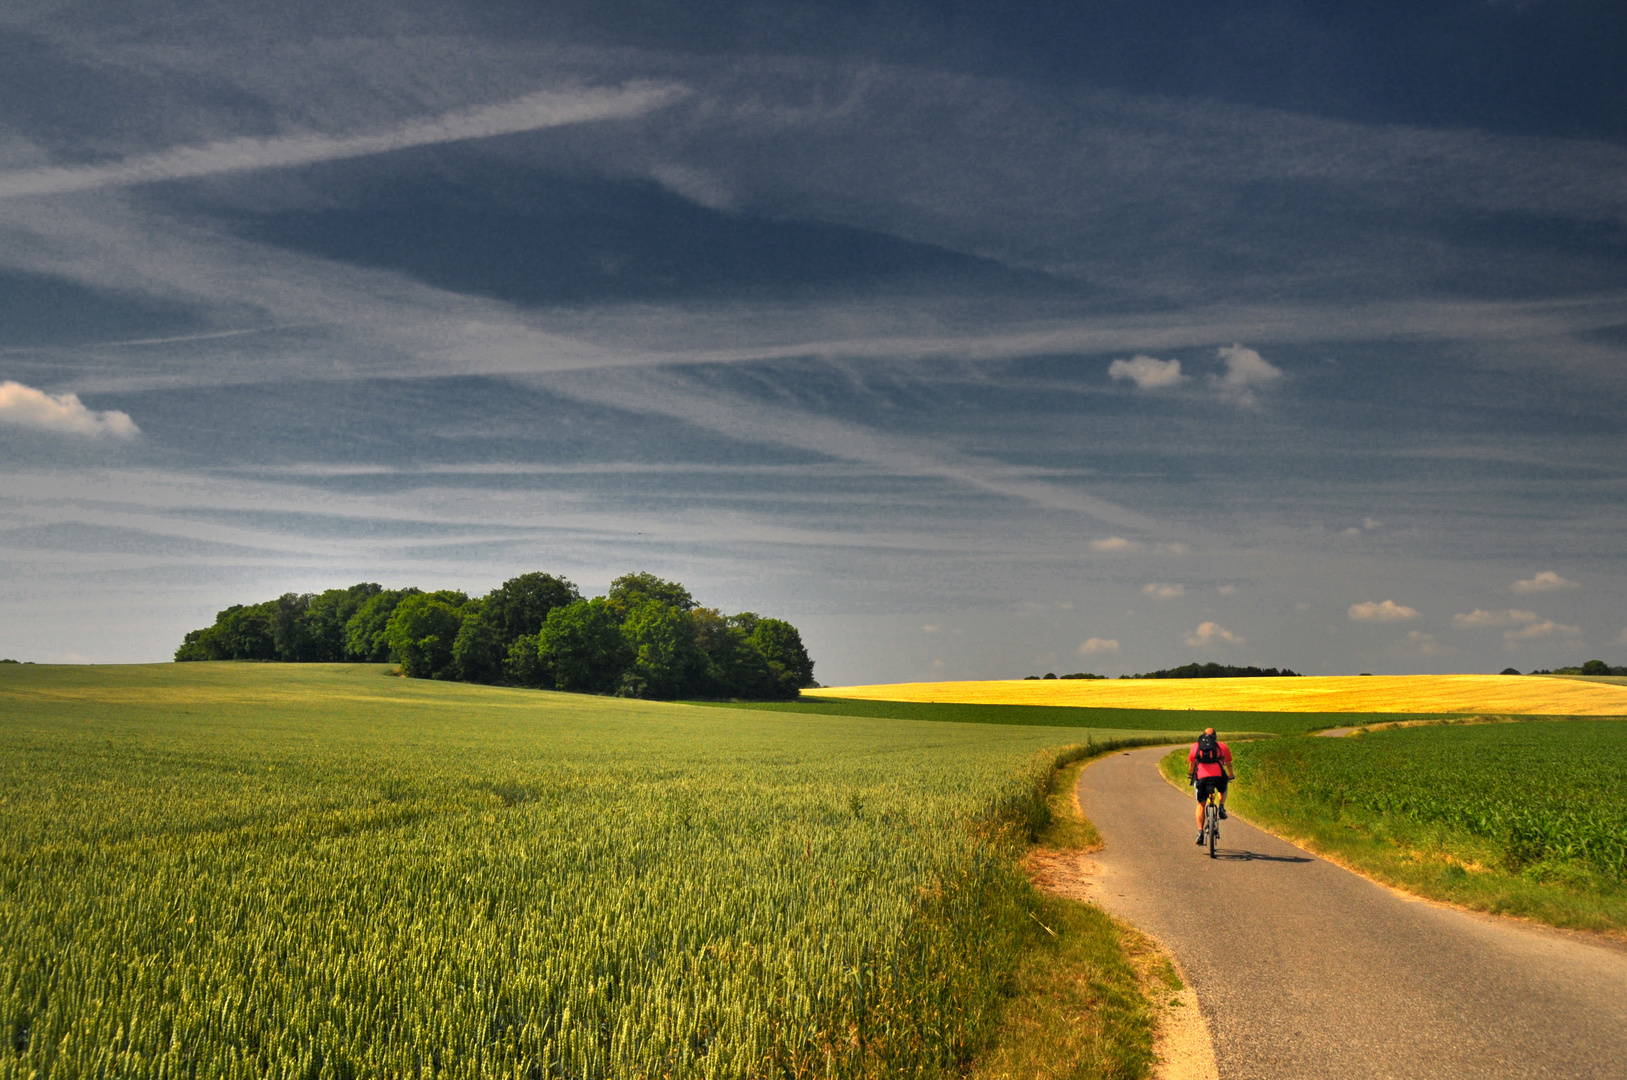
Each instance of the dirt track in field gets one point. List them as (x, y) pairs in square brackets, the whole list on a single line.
[(1305, 970)]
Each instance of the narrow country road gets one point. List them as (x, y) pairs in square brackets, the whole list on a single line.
[(1306, 970)]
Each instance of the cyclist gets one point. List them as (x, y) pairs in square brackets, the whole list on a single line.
[(1209, 768)]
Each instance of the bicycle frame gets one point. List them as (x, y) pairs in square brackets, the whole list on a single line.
[(1211, 821)]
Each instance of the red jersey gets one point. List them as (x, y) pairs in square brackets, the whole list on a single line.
[(1208, 770)]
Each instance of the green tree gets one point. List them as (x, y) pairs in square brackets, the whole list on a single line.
[(1595, 667), (479, 653), (781, 646), (365, 640), (241, 632), (582, 646), (630, 590), (661, 645), (326, 615), (422, 631), (521, 604), (523, 665), (731, 667), (290, 629)]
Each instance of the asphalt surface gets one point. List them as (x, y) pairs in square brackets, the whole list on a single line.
[(1306, 970)]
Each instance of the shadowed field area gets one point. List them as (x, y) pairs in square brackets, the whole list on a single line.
[(1186, 721)]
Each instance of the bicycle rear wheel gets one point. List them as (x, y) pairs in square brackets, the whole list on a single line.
[(1211, 818)]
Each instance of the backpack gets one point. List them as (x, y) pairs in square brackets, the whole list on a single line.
[(1209, 749)]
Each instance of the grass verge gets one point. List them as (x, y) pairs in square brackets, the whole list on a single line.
[(1086, 993), (1284, 792)]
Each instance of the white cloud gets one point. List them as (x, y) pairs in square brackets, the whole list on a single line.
[(1621, 639), (1547, 581), (28, 407), (1478, 618), (533, 112), (1149, 373), (1385, 611), (1211, 633), (1371, 523), (1424, 643), (929, 629), (1352, 531), (1114, 544), (1163, 590), (1098, 645), (1227, 590), (1542, 631), (1245, 371)]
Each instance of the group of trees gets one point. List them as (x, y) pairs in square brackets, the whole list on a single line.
[(1186, 671), (1592, 667), (646, 637)]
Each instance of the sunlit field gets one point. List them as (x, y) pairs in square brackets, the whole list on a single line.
[(1527, 695), (1527, 819), (220, 869)]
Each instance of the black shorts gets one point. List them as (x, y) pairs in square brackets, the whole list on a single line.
[(1206, 784)]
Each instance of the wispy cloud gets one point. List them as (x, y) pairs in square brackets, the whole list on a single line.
[(24, 406), (1424, 644), (1095, 646), (1542, 631), (532, 112), (1212, 633), (1381, 611), (1115, 545), (1547, 581), (1163, 590), (1479, 618), (1149, 373), (1246, 371)]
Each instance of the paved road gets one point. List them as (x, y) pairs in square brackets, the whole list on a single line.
[(1306, 970)]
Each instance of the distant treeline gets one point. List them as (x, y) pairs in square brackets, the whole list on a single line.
[(1186, 671), (1216, 671), (1592, 667), (645, 638)]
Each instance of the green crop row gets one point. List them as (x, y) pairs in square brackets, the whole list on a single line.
[(216, 870), (1543, 793)]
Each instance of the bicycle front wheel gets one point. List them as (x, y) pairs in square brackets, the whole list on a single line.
[(1212, 817)]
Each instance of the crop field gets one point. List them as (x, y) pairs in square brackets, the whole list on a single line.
[(1523, 817), (1526, 695), (224, 870), (1187, 721)]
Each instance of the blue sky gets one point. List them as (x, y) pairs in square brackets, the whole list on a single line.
[(977, 342)]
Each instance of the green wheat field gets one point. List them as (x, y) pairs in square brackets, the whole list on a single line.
[(224, 870)]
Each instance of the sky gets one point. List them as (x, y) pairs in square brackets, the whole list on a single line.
[(978, 340)]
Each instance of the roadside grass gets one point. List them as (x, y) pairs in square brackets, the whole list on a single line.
[(1235, 724), (1527, 820), (1086, 993), (1078, 1009)]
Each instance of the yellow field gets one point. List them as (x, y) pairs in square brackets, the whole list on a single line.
[(1516, 694)]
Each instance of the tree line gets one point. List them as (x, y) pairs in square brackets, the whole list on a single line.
[(1592, 667), (646, 638), (1187, 671)]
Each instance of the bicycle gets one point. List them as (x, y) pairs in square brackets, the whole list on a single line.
[(1211, 820)]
